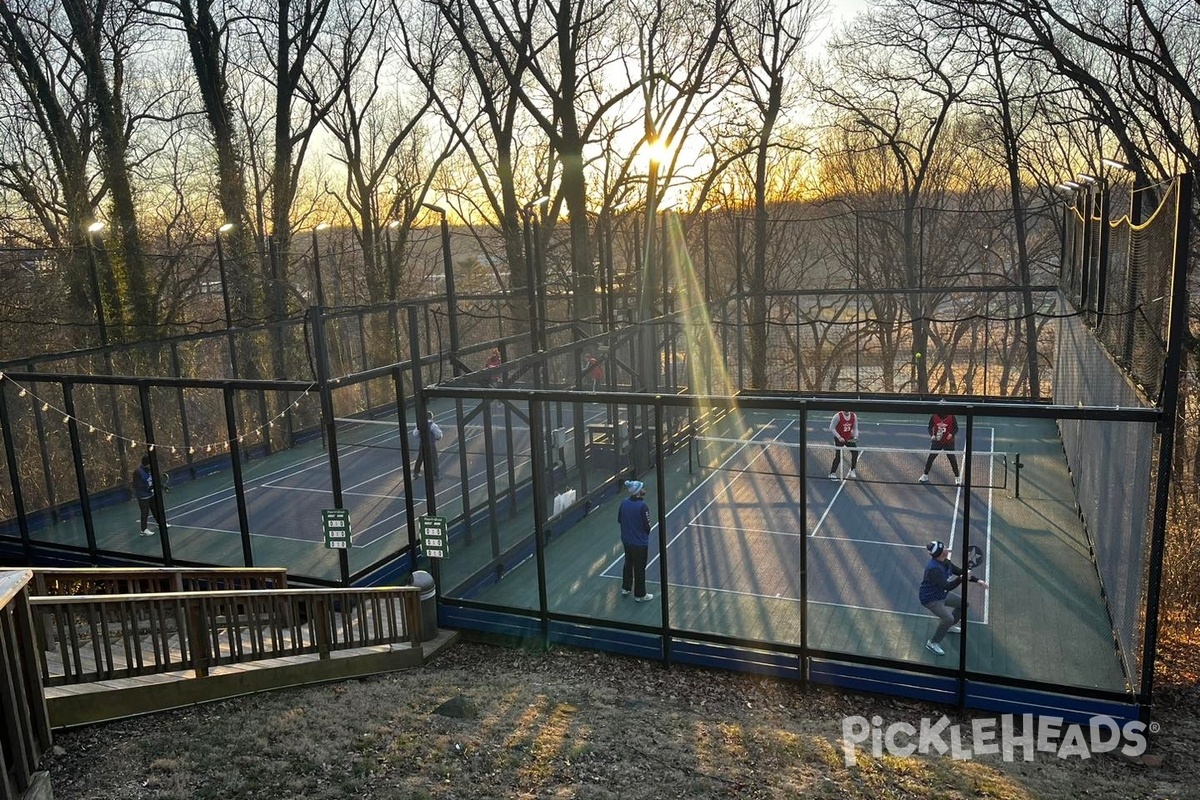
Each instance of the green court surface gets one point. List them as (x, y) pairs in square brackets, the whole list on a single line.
[(1044, 619), (734, 544)]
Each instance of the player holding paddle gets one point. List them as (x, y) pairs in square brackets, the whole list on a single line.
[(844, 427), (942, 428), (941, 577)]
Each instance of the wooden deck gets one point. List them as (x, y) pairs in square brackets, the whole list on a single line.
[(102, 656)]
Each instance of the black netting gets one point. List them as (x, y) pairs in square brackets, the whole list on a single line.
[(1119, 276), (1111, 465)]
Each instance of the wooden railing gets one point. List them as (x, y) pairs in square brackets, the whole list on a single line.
[(145, 580), (139, 580), (104, 637), (25, 729)]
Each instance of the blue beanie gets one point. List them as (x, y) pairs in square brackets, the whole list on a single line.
[(634, 487)]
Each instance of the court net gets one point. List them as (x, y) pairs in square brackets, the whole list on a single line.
[(386, 434), (897, 465)]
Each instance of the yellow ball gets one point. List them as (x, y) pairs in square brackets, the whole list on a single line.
[(918, 355)]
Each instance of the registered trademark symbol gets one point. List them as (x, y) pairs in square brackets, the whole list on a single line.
[(1155, 727)]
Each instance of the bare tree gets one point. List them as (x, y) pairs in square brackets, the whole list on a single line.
[(280, 39), (558, 59), (205, 29), (1134, 62), (472, 86), (97, 44), (766, 38), (379, 134), (899, 78), (44, 105)]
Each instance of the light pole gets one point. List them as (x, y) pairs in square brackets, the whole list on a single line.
[(532, 272), (646, 299), (1092, 294), (317, 264), (92, 230), (451, 297), (226, 228), (393, 278), (650, 368)]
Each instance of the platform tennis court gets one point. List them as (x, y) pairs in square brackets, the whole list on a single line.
[(741, 530), (286, 493)]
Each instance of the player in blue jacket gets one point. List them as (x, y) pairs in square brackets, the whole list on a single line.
[(942, 576), (143, 491), (634, 517)]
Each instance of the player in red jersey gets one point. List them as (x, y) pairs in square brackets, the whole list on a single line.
[(844, 427), (942, 428)]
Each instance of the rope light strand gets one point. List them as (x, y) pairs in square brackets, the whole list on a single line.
[(109, 436)]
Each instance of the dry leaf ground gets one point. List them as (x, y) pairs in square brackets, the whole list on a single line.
[(484, 721)]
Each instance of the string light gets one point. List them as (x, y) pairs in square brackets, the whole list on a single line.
[(109, 436)]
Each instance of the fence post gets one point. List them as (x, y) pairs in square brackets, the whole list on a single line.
[(197, 636), (412, 616), (320, 623)]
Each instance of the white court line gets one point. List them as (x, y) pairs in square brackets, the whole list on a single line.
[(222, 497), (987, 543), (239, 533), (268, 480), (261, 481), (303, 465), (800, 535), (797, 600), (685, 498), (737, 476), (828, 508), (953, 524), (869, 541), (218, 497), (354, 535)]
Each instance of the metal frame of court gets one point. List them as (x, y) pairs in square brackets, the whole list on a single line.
[(658, 412), (660, 636), (663, 639)]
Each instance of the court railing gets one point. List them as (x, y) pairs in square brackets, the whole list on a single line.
[(25, 728), (107, 637)]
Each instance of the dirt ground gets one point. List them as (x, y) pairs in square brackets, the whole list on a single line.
[(484, 721)]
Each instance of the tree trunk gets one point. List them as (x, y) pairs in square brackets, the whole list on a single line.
[(208, 62), (130, 274)]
